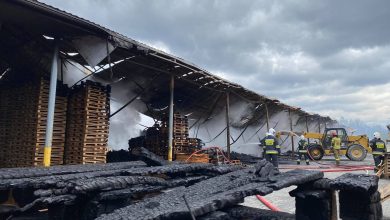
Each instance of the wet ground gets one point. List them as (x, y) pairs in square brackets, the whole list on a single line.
[(282, 199)]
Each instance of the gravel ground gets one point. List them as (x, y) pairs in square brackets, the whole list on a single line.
[(282, 199)]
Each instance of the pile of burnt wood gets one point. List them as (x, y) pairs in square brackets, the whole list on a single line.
[(135, 190)]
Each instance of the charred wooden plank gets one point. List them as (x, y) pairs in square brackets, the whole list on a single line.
[(17, 173), (294, 177), (367, 184), (242, 213), (60, 181), (244, 158), (212, 194), (149, 158)]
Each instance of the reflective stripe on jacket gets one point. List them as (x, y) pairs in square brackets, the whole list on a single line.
[(378, 153), (271, 152), (271, 145), (302, 146)]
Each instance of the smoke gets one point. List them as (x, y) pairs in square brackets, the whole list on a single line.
[(241, 112), (72, 72), (125, 124)]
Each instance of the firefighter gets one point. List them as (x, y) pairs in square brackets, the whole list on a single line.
[(336, 145), (302, 150), (378, 150), (272, 148)]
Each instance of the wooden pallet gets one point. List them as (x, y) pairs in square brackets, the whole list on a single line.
[(24, 128), (196, 158), (87, 124), (386, 167)]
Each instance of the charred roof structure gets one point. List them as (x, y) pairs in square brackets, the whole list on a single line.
[(30, 31), (28, 26)]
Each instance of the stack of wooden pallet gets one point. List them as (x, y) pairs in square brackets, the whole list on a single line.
[(23, 112), (87, 124), (59, 126), (180, 134), (156, 140), (386, 166), (193, 158), (195, 143)]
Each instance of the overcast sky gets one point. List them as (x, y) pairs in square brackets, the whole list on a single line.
[(329, 57)]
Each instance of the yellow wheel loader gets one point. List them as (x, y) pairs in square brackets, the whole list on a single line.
[(353, 147)]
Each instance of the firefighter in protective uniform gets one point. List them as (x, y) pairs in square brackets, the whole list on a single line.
[(336, 145), (272, 148), (302, 150), (378, 150)]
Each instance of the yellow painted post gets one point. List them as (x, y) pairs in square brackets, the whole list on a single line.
[(50, 110), (170, 133)]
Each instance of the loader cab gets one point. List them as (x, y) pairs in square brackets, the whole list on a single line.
[(327, 138)]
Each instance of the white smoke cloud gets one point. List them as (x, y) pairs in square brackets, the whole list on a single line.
[(125, 124), (249, 141)]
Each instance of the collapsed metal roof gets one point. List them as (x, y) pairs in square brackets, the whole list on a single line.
[(23, 25)]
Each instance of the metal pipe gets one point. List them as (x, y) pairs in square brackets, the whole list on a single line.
[(292, 136), (227, 125), (319, 126), (51, 108), (109, 60), (170, 133), (267, 115), (307, 129), (334, 212), (135, 97), (188, 207), (307, 125), (62, 69)]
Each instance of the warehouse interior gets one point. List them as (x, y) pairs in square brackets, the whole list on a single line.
[(138, 76)]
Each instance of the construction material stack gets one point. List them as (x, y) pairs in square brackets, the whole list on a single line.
[(386, 166), (156, 140), (87, 124), (180, 134), (23, 114), (59, 126)]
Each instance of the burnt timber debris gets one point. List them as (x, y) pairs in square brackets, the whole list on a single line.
[(153, 189), (132, 190)]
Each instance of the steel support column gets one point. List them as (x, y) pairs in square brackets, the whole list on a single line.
[(170, 133), (51, 108), (319, 126), (307, 125), (266, 115), (227, 125), (307, 128), (292, 136)]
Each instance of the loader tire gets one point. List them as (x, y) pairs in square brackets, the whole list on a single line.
[(356, 152), (315, 152)]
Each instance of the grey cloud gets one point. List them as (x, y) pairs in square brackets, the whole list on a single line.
[(286, 49)]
